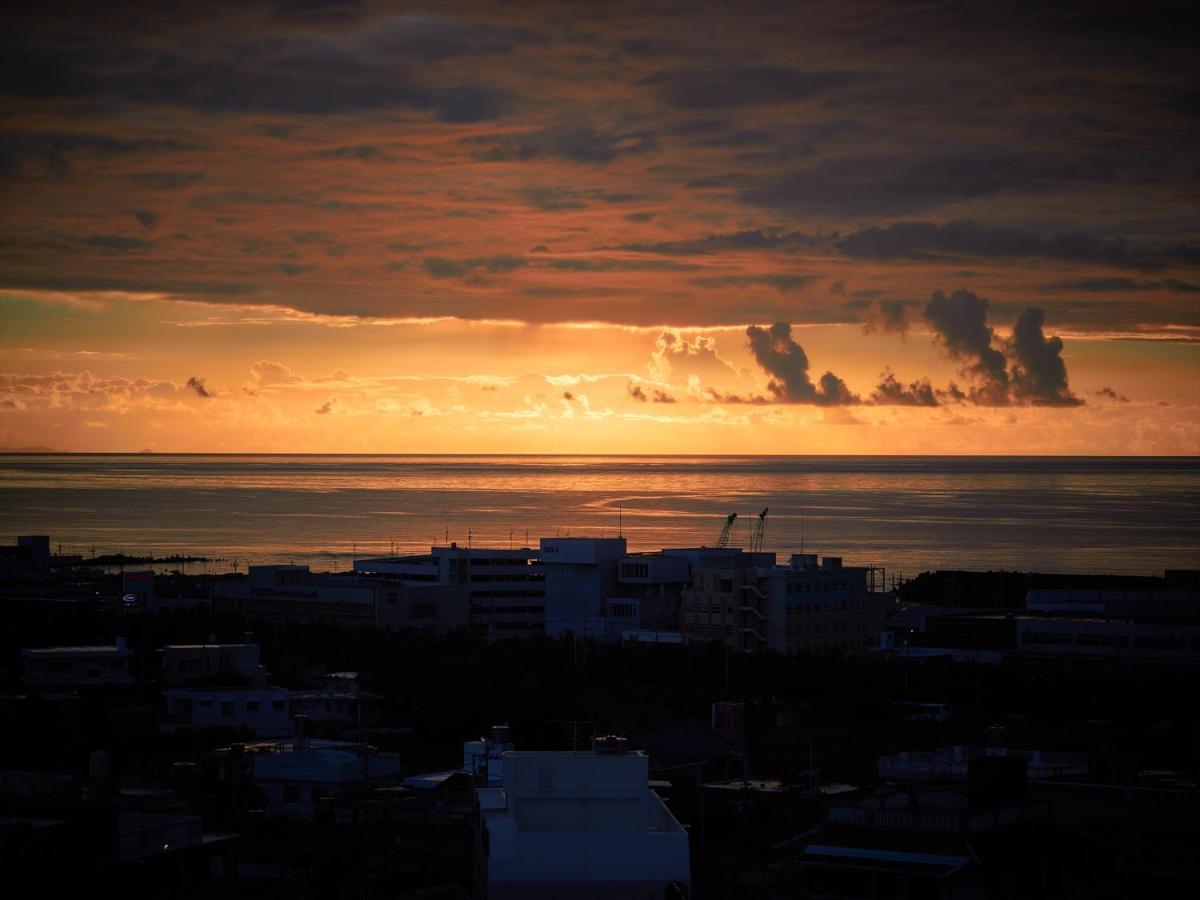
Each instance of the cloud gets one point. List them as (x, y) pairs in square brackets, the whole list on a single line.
[(1110, 394), (891, 392), (197, 385), (1039, 375), (443, 267), (966, 239), (899, 185), (787, 365), (147, 218), (267, 372), (327, 407), (656, 396), (743, 86), (783, 283), (960, 324), (751, 239), (675, 355), (887, 317), (574, 142)]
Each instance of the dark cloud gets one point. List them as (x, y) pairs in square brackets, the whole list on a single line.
[(655, 396), (578, 143), (443, 267), (743, 86), (838, 288), (965, 239), (112, 243), (891, 392), (887, 317), (960, 323), (52, 154), (326, 408), (722, 243), (1039, 375), (360, 152), (787, 365), (168, 181), (899, 185), (1110, 394), (197, 385), (567, 395), (147, 218), (785, 284)]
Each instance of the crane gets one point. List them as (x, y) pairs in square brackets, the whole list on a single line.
[(756, 535), (723, 540)]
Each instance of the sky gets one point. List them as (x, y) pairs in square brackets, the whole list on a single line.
[(649, 227)]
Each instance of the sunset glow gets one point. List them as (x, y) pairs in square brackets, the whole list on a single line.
[(556, 229)]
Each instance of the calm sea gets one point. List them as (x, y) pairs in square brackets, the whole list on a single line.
[(908, 514)]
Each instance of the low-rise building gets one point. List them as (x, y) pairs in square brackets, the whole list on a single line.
[(579, 824), (47, 668), (265, 710), (294, 774), (212, 662)]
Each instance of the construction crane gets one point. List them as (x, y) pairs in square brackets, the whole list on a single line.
[(756, 533), (723, 540)]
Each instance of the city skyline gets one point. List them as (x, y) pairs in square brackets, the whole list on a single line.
[(631, 228)]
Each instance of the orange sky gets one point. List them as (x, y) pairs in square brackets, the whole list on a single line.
[(477, 228)]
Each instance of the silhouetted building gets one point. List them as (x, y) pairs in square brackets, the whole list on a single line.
[(580, 824), (78, 667)]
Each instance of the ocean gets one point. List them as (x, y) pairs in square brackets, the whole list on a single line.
[(906, 514)]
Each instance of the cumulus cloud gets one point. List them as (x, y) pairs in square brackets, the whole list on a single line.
[(786, 363), (656, 395), (1109, 394), (268, 372), (675, 354), (1039, 375), (960, 324), (197, 385), (886, 317), (892, 392)]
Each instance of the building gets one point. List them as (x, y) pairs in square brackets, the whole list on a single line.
[(48, 668), (294, 594), (747, 602), (212, 663), (953, 762), (579, 824), (264, 710), (294, 774), (581, 574), (338, 700), (648, 600), (497, 593)]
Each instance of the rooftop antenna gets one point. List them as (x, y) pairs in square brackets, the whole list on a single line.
[(620, 521), (526, 537), (468, 538), (510, 539), (447, 535), (801, 534)]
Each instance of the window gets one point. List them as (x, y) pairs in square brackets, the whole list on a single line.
[(227, 709), (277, 705), (252, 706)]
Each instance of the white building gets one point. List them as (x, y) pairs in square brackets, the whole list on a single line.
[(500, 593), (78, 667), (583, 824), (264, 710), (581, 574), (183, 663), (293, 774)]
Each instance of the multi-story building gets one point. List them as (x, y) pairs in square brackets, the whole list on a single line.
[(581, 574), (78, 667), (374, 600), (265, 710), (747, 602), (499, 593), (579, 824), (648, 597)]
